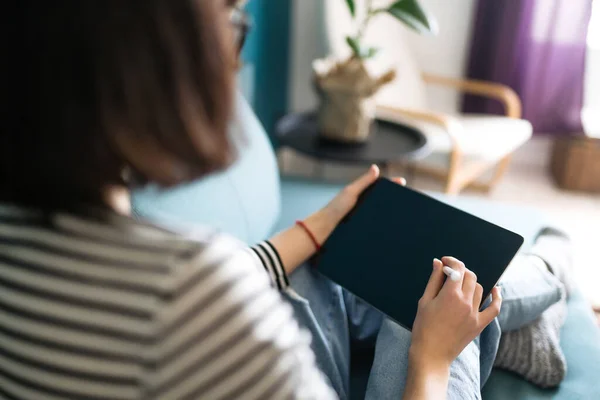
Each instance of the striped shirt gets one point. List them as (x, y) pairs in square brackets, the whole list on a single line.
[(99, 306)]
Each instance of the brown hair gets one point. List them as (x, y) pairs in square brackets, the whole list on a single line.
[(104, 85)]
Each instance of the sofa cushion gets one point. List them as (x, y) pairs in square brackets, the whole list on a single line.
[(244, 200), (300, 197)]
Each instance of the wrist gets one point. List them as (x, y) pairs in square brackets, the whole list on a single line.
[(421, 361), (426, 379), (321, 225)]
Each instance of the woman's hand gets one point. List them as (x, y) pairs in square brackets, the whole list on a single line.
[(326, 219), (448, 317)]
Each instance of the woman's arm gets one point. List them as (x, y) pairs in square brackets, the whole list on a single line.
[(426, 380), (223, 332), (283, 253), (295, 246)]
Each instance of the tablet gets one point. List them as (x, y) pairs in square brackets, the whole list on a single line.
[(384, 248)]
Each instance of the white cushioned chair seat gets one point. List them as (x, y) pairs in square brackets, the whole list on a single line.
[(480, 137)]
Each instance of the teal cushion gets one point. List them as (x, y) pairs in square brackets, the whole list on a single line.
[(300, 198), (580, 341), (243, 200)]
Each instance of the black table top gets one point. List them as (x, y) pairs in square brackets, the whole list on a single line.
[(389, 141)]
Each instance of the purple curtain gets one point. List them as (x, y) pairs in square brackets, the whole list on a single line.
[(537, 47)]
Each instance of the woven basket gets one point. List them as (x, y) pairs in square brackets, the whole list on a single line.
[(576, 164)]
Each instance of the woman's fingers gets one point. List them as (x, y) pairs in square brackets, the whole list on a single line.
[(436, 281), (399, 180), (365, 180), (457, 266), (493, 309), (477, 296), (469, 283)]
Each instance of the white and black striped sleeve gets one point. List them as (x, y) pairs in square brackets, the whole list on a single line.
[(226, 333), (268, 256)]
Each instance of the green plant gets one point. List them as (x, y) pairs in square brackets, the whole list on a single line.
[(409, 12)]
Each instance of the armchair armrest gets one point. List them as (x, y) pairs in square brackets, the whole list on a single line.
[(450, 125), (447, 122), (497, 91)]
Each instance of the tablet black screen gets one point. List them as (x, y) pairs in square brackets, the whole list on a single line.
[(384, 249)]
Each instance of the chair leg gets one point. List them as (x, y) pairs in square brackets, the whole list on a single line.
[(499, 172), (458, 178), (453, 185)]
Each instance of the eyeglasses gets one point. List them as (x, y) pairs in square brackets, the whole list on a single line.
[(242, 25)]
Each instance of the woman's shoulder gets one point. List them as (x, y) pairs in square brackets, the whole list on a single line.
[(203, 250), (104, 241)]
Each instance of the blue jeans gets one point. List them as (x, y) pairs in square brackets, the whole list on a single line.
[(336, 318)]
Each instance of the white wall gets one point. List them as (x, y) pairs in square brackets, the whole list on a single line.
[(591, 107), (591, 103), (307, 43), (445, 54)]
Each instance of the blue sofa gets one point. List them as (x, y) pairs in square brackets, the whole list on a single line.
[(251, 202)]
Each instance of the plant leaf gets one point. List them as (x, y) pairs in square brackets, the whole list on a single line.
[(351, 7), (354, 45), (370, 52), (358, 50), (414, 16)]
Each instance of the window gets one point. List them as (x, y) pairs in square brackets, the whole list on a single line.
[(594, 28), (590, 114)]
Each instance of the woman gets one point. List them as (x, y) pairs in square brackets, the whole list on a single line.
[(96, 305)]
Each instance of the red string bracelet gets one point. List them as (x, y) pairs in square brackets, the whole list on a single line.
[(309, 233)]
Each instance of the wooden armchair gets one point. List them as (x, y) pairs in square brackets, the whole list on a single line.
[(465, 147), (465, 168)]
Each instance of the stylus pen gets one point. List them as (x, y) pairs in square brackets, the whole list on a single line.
[(450, 273)]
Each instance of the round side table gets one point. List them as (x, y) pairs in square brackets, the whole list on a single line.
[(390, 142)]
